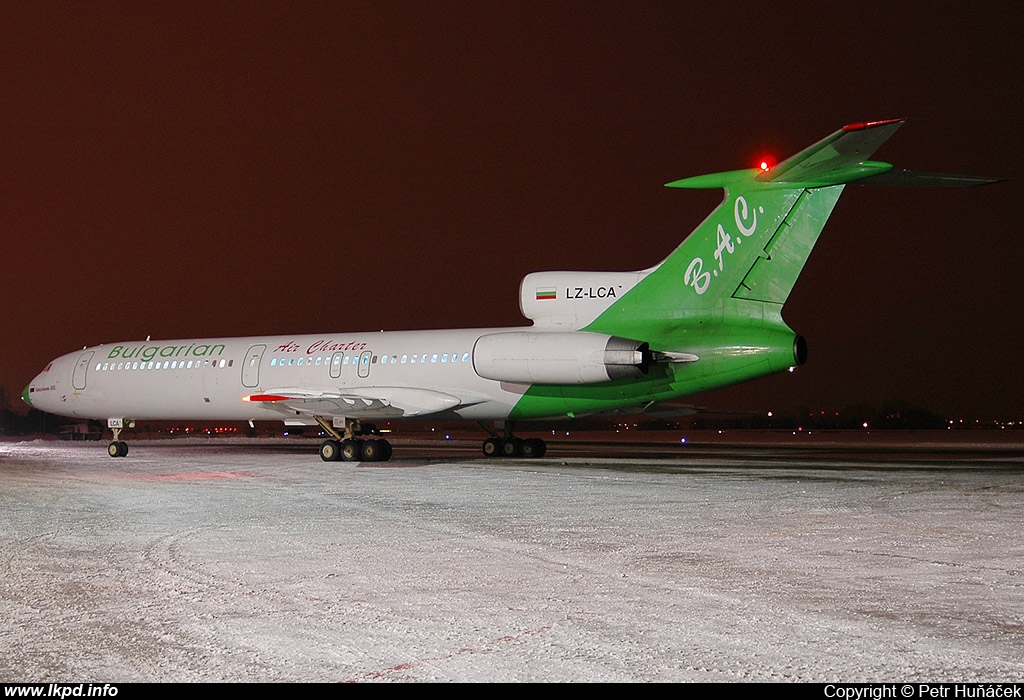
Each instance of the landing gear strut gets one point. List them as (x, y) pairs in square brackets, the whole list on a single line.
[(508, 445), (346, 447)]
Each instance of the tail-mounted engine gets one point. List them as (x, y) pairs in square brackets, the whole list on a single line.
[(525, 357)]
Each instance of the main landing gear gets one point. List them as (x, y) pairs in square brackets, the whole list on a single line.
[(346, 447), (508, 445), (118, 448)]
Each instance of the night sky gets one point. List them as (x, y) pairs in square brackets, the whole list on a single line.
[(213, 169)]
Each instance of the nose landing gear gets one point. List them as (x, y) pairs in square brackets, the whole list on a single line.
[(118, 448)]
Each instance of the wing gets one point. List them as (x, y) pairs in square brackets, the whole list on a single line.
[(377, 402)]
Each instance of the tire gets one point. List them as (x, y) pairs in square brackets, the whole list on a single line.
[(492, 447), (330, 450), (351, 451), (372, 451), (513, 447), (114, 449), (534, 448)]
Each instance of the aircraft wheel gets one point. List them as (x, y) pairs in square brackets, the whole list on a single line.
[(372, 451), (513, 447), (330, 451), (492, 447), (351, 451), (534, 448), (117, 449)]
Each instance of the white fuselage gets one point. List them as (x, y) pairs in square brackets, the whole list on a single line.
[(231, 378)]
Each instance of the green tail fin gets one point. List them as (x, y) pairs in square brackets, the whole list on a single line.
[(741, 263), (711, 312)]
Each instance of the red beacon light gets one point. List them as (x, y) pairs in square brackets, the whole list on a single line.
[(765, 164)]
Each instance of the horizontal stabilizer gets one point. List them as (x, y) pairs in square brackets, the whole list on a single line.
[(842, 150), (913, 178)]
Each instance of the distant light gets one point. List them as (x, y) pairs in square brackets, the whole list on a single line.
[(864, 424), (683, 441), (769, 414)]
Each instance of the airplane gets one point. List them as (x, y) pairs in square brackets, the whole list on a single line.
[(601, 343)]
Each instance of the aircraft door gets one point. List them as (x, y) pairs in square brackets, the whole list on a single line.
[(251, 366), (336, 361), (81, 370), (364, 364)]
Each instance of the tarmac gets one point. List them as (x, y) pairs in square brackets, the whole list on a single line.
[(203, 560)]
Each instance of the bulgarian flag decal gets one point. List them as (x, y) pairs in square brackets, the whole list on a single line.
[(546, 293)]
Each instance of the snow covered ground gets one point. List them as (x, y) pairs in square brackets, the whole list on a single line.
[(184, 562)]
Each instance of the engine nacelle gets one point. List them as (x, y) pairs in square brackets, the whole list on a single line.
[(570, 300), (525, 357)]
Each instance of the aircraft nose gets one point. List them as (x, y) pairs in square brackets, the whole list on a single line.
[(26, 395)]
